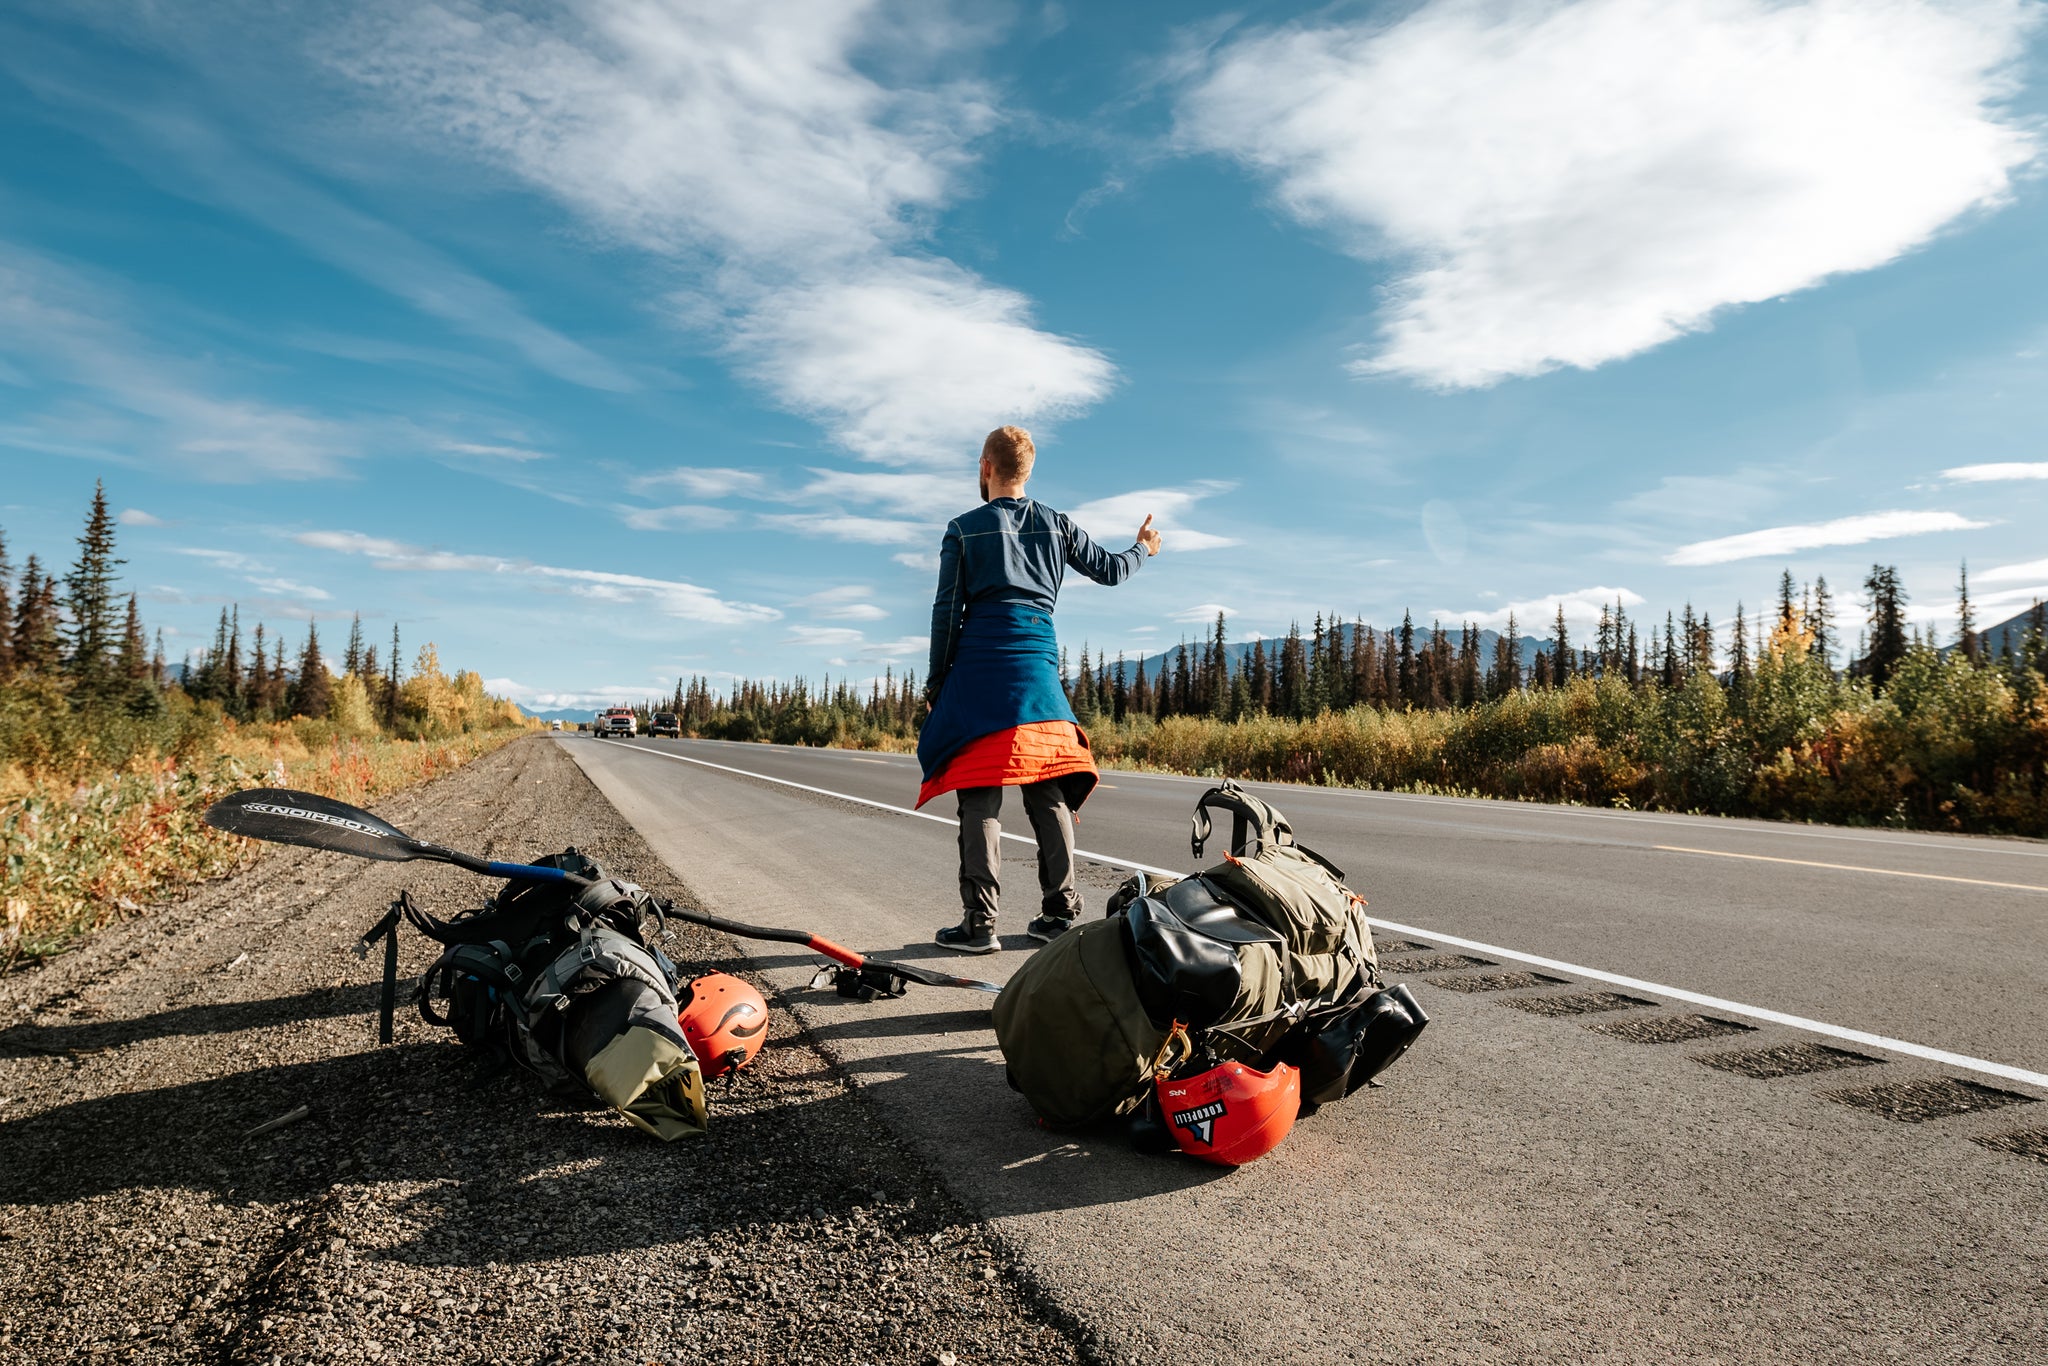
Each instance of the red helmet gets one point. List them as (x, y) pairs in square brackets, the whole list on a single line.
[(1231, 1114), (726, 1022)]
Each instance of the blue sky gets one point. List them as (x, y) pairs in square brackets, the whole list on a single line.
[(603, 343)]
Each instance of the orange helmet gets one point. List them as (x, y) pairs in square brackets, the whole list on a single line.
[(1231, 1114), (726, 1022)]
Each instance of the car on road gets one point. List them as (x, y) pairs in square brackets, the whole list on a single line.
[(618, 721), (665, 723)]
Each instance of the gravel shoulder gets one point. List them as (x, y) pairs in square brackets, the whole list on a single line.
[(425, 1210)]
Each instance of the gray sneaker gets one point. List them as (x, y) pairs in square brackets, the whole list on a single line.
[(1047, 928), (965, 938)]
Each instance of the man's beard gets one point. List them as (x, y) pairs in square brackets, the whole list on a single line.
[(984, 488)]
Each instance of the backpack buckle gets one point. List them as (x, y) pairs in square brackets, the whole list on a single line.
[(514, 974)]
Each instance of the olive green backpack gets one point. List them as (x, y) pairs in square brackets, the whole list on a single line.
[(1291, 888), (1077, 1040)]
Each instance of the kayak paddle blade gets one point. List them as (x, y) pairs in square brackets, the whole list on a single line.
[(939, 979), (283, 816)]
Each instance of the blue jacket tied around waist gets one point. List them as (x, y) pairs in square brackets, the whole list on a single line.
[(995, 662)]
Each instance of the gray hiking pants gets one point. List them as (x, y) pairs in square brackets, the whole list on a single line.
[(981, 853)]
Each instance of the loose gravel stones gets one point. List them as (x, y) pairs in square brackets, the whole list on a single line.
[(426, 1210), (1668, 1028), (1581, 1003), (1441, 962), (1913, 1102), (1786, 1060), (1497, 981)]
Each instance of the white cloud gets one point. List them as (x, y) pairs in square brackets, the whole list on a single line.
[(702, 482), (1787, 540), (845, 527), (2015, 573), (914, 361), (1203, 612), (516, 454), (745, 142), (848, 602), (923, 561), (823, 637), (137, 517), (933, 496), (396, 555), (1568, 184), (1534, 616), (285, 588), (226, 559), (2006, 599), (1984, 474), (1113, 522), (686, 601), (140, 396), (690, 516)]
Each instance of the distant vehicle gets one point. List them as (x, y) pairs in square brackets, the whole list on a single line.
[(554, 725), (665, 723), (618, 721)]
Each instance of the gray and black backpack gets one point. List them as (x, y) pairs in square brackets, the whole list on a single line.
[(569, 985)]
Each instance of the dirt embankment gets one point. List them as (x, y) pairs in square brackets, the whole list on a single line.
[(425, 1211)]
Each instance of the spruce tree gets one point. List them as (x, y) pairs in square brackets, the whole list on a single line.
[(1084, 691), (352, 659), (1120, 694), (1738, 664), (1504, 655), (391, 683), (132, 663), (1560, 650), (1668, 673), (1291, 691), (256, 692), (1888, 645), (1404, 668), (1787, 610), (1338, 671), (1966, 618), (90, 633), (37, 649), (312, 692), (1822, 622), (6, 614), (1318, 679), (232, 686), (1141, 691), (1219, 685), (1365, 664)]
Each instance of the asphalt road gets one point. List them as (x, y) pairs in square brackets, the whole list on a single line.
[(1531, 1185)]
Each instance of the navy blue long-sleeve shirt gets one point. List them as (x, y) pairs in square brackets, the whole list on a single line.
[(1011, 550)]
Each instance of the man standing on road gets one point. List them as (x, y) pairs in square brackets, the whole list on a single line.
[(999, 713)]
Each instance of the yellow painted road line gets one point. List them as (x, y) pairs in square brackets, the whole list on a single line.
[(1853, 868)]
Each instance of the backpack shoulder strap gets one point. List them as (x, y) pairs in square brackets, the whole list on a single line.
[(1254, 825)]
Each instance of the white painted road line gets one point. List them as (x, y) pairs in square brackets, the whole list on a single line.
[(1853, 868), (1777, 1017)]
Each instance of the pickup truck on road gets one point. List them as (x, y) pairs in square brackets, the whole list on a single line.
[(665, 723), (617, 721)]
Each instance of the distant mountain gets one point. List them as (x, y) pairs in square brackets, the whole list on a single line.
[(2010, 632), (1240, 650)]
